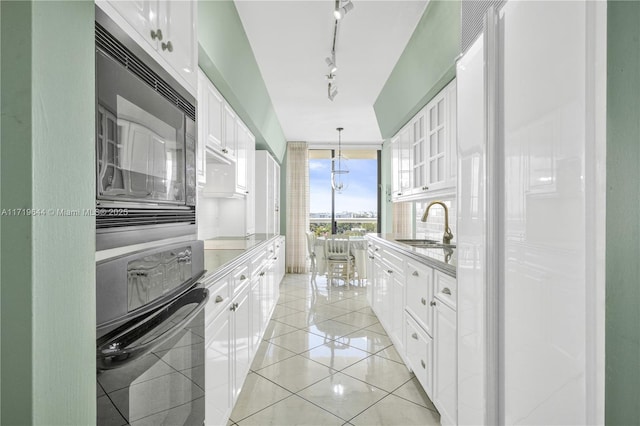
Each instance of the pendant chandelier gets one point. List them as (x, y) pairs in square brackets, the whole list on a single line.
[(339, 169)]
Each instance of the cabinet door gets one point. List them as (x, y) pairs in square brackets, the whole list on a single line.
[(142, 15), (230, 132), (214, 121), (242, 339), (370, 278), (276, 198), (420, 294), (203, 110), (437, 137), (255, 300), (419, 346), (445, 359), (218, 370), (242, 141), (397, 311), (251, 186), (405, 160), (178, 45), (419, 149), (395, 167)]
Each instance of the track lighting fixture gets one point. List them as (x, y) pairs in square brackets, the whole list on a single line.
[(343, 9), (332, 91), (331, 62)]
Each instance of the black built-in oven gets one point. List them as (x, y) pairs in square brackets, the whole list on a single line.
[(150, 337), (145, 145)]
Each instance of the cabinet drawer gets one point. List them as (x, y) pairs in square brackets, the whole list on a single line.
[(218, 300), (239, 278), (420, 294), (419, 353), (394, 262), (446, 288)]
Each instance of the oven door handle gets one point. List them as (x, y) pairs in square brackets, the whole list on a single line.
[(117, 350)]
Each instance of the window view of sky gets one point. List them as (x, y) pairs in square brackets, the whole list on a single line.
[(360, 196)]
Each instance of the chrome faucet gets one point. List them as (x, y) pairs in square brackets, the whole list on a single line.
[(448, 235)]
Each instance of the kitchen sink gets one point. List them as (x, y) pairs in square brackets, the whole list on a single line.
[(423, 243)]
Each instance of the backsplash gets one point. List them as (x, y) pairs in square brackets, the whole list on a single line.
[(433, 228)]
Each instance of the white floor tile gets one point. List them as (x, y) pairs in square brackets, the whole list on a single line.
[(296, 373), (393, 410), (298, 341), (379, 372), (292, 411), (342, 395), (335, 355), (257, 394)]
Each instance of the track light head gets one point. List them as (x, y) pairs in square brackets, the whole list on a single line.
[(340, 11), (331, 62)]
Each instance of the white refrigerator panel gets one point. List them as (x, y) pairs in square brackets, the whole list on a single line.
[(472, 237), (544, 70)]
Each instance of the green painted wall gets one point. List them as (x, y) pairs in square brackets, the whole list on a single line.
[(622, 374), (48, 261), (226, 57), (424, 68)]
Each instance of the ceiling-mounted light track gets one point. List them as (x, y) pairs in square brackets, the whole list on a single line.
[(342, 7)]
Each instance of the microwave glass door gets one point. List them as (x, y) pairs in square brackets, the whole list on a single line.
[(140, 140)]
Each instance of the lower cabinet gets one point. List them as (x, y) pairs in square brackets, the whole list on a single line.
[(417, 307), (239, 307), (445, 377), (419, 353)]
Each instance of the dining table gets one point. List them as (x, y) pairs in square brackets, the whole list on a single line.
[(357, 248)]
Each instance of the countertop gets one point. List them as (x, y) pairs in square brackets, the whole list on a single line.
[(223, 252), (444, 260)]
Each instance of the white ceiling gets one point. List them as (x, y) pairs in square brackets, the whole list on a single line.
[(291, 39)]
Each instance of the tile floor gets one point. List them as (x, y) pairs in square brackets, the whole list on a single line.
[(326, 360)]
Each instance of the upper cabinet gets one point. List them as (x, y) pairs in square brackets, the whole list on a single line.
[(164, 29), (225, 145), (424, 153)]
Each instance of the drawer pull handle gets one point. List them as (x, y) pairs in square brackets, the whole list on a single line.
[(446, 291), (219, 299), (371, 257), (415, 274), (415, 336), (432, 303), (243, 277), (156, 34), (423, 364), (389, 271), (262, 274), (167, 46), (424, 301)]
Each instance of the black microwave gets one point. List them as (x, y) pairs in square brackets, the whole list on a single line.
[(145, 145)]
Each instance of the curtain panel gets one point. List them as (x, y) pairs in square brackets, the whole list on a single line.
[(297, 206)]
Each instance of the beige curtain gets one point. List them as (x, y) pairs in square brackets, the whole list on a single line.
[(297, 206), (402, 219)]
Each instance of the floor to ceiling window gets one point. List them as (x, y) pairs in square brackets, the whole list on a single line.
[(354, 210)]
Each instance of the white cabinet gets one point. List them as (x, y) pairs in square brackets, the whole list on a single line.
[(225, 148), (267, 193), (445, 364), (416, 305), (250, 206), (419, 352), (441, 153), (420, 294), (239, 307), (401, 163), (164, 29), (423, 152)]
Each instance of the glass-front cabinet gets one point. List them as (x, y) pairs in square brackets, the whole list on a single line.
[(424, 150)]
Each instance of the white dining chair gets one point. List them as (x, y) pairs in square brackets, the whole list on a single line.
[(339, 260), (311, 250)]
